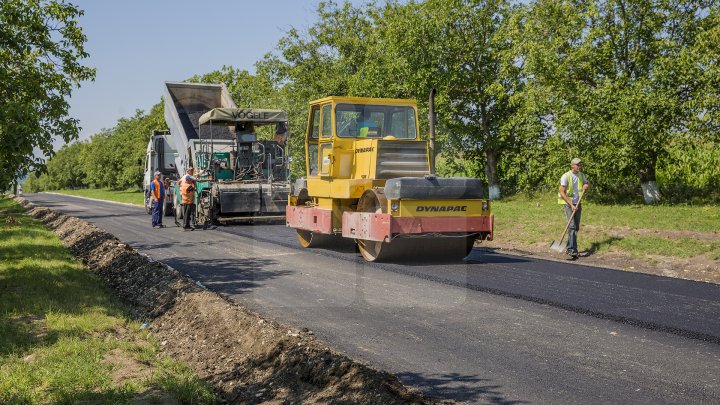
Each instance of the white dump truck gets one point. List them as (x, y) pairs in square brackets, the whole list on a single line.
[(160, 157)]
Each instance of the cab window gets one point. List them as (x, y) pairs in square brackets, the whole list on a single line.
[(375, 121), (312, 146), (327, 121), (315, 124)]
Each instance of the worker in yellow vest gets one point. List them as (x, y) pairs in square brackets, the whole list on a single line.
[(157, 200), (572, 184), (187, 192)]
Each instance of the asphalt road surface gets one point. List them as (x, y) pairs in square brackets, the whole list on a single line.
[(491, 329)]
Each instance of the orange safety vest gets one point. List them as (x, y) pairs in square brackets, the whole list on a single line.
[(188, 197), (156, 190)]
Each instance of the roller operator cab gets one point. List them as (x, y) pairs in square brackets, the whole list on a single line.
[(368, 178)]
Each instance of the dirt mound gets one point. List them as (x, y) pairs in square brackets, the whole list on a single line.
[(246, 358)]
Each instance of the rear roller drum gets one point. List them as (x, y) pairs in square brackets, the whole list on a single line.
[(305, 238), (309, 239), (418, 248)]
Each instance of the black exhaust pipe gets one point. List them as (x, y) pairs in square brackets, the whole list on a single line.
[(432, 131)]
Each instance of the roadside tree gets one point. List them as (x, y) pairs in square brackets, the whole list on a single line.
[(41, 46), (620, 79)]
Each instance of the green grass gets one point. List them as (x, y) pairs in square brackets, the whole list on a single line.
[(634, 229), (125, 196), (58, 325)]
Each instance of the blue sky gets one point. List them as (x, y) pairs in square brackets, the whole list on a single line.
[(137, 45)]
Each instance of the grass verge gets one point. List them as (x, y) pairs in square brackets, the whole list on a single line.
[(65, 339), (132, 196), (677, 231)]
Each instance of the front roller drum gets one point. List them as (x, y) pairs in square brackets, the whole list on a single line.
[(453, 247), (310, 239), (432, 248)]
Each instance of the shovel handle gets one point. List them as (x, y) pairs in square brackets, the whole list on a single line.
[(571, 218)]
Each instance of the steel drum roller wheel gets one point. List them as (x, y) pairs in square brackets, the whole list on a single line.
[(309, 239), (374, 201), (305, 238), (451, 247)]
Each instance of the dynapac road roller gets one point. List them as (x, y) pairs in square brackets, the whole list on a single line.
[(369, 177)]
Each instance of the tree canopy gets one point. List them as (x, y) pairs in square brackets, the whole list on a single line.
[(41, 49), (631, 87)]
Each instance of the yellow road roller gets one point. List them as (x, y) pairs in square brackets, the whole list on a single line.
[(370, 178)]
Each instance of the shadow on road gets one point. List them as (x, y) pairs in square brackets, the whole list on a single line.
[(229, 276), (466, 388), (489, 256)]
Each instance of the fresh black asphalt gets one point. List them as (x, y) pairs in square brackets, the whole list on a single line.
[(492, 329)]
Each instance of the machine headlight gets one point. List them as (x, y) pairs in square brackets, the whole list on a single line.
[(484, 205), (394, 206)]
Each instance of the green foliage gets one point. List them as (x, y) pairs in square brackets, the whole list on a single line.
[(64, 170), (460, 48), (691, 171), (631, 87), (41, 46), (620, 79), (108, 160)]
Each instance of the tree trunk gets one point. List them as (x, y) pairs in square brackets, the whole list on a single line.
[(491, 173), (648, 183)]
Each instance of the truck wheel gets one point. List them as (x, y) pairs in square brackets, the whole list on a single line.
[(148, 204)]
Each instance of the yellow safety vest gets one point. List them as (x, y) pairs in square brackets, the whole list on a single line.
[(570, 189)]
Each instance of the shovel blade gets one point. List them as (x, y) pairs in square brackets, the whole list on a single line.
[(557, 246)]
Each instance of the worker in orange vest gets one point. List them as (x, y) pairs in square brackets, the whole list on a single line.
[(187, 192), (157, 199)]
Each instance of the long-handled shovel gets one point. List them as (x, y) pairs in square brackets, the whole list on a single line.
[(557, 246)]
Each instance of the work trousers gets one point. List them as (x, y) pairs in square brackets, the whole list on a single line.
[(157, 212), (571, 246), (188, 210)]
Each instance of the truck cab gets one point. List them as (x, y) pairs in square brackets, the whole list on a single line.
[(160, 156)]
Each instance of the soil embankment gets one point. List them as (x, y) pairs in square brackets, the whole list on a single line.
[(245, 357)]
